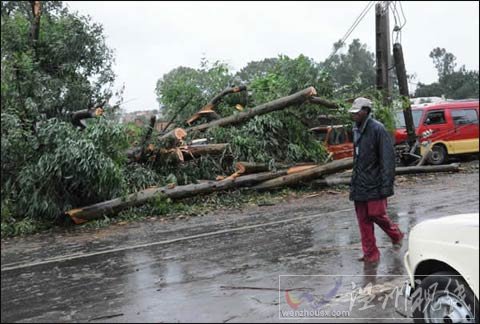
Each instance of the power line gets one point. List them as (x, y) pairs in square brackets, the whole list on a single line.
[(350, 30), (399, 21), (357, 21)]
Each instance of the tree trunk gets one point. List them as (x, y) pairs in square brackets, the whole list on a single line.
[(209, 108), (306, 175), (78, 116), (453, 167), (35, 30), (345, 180), (81, 215), (323, 102), (299, 168), (278, 104), (172, 138), (250, 167)]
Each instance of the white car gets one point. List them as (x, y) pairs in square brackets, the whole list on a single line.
[(442, 262)]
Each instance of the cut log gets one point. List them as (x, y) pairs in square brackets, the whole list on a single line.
[(81, 215), (345, 180), (323, 102), (453, 167), (278, 104), (172, 138), (250, 167), (299, 168), (79, 116), (306, 175), (209, 108)]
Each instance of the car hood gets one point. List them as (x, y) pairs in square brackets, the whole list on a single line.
[(461, 227)]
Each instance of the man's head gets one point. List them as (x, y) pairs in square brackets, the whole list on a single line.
[(360, 109)]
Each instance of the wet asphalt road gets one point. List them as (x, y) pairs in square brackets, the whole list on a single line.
[(226, 266)]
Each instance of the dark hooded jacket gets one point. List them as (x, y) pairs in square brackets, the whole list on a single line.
[(374, 163)]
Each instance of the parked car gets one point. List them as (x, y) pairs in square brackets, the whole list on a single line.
[(337, 139), (442, 265), (451, 127)]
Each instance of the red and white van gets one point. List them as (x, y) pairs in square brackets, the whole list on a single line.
[(453, 126)]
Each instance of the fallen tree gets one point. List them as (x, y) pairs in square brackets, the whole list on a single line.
[(323, 102), (79, 116), (306, 175), (278, 104), (81, 215), (172, 138), (345, 180)]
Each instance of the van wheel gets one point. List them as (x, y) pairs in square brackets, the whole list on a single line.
[(444, 297), (438, 155)]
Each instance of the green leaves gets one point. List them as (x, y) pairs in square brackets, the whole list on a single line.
[(460, 84), (74, 168)]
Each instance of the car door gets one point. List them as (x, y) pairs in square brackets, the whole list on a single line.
[(465, 135), (438, 123)]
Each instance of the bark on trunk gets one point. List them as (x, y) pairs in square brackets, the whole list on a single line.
[(35, 30), (299, 168), (172, 138), (250, 167), (78, 116), (306, 175), (81, 215), (345, 180), (278, 104), (453, 167), (323, 102)]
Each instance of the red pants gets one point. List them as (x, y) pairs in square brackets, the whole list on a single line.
[(374, 211)]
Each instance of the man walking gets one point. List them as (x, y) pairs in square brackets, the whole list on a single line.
[(372, 178)]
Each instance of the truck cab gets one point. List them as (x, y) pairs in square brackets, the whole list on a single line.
[(337, 139)]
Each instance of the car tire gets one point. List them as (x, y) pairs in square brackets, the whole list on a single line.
[(438, 155), (444, 297)]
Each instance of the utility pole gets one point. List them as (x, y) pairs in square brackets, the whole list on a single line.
[(403, 88), (382, 44)]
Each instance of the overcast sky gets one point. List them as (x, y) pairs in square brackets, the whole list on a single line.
[(152, 38)]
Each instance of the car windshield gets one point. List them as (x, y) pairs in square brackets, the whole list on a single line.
[(321, 135), (400, 120)]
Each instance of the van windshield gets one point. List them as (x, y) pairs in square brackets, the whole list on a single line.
[(400, 120)]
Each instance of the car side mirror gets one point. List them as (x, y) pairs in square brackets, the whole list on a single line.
[(427, 121)]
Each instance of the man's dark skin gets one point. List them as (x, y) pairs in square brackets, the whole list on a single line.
[(360, 116)]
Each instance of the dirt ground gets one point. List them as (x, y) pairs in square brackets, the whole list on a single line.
[(231, 265)]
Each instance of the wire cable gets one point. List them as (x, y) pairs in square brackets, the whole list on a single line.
[(350, 30)]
